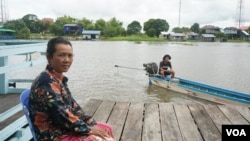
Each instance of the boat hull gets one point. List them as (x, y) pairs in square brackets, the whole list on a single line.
[(203, 91)]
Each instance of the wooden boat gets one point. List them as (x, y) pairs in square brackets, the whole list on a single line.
[(203, 91), (196, 89)]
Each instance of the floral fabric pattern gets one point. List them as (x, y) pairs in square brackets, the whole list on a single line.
[(53, 111)]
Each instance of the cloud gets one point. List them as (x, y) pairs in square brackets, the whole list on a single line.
[(221, 12)]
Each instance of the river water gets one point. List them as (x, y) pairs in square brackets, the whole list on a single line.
[(93, 75)]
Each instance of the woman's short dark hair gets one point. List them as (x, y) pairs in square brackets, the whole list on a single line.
[(51, 46), (166, 56)]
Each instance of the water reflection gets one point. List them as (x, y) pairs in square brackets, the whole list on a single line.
[(159, 94)]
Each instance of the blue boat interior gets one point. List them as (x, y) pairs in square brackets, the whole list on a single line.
[(210, 90)]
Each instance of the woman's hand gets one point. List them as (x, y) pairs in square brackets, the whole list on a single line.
[(95, 130), (91, 122)]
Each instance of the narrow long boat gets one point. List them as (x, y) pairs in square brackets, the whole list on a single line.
[(203, 91), (195, 89)]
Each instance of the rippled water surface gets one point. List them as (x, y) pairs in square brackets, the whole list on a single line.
[(93, 75)]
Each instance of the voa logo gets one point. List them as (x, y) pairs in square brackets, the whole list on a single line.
[(236, 132)]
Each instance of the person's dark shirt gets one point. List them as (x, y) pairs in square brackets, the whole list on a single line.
[(165, 65)]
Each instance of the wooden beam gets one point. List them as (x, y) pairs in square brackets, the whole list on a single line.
[(21, 49), (6, 68)]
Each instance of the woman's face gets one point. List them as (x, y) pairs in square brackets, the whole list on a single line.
[(62, 58)]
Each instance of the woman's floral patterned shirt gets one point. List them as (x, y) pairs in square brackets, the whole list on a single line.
[(53, 111)]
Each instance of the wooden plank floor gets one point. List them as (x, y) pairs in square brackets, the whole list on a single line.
[(154, 121), (8, 101), (166, 122)]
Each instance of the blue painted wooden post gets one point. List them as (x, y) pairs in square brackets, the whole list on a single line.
[(4, 77)]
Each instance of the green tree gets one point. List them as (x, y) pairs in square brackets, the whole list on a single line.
[(134, 28), (57, 27), (100, 24), (113, 28), (30, 21), (151, 32), (45, 26), (22, 31), (15, 24), (156, 25), (39, 27), (86, 24), (66, 20), (195, 28), (220, 35), (202, 31)]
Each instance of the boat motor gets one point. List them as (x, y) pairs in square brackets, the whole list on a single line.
[(151, 68)]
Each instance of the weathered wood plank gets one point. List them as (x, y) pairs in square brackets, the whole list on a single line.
[(169, 125), (217, 116), (8, 101), (244, 111), (187, 126), (163, 121), (152, 127), (232, 114), (117, 118), (91, 106), (205, 124), (133, 126), (103, 112)]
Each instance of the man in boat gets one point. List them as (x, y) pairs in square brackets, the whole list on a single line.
[(165, 67)]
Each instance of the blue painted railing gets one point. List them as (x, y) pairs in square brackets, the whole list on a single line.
[(18, 129), (5, 68)]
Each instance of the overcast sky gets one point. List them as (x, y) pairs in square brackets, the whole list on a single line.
[(221, 13)]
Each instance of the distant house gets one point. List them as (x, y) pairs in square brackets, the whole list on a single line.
[(210, 29), (164, 34), (207, 37), (193, 36), (73, 29), (244, 35), (91, 34), (177, 36), (231, 32), (6, 33)]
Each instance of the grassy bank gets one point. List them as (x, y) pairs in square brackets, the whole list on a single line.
[(136, 38)]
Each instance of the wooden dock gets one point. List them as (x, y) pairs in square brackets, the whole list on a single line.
[(166, 122), (152, 121)]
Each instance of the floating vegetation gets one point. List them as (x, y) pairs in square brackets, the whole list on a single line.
[(183, 43), (138, 42)]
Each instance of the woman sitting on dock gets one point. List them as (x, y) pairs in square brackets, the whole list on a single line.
[(53, 111)]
